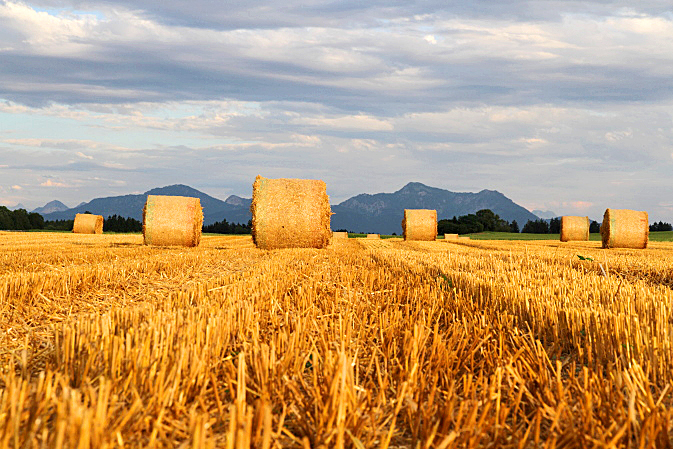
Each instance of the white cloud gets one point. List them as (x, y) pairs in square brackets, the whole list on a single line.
[(50, 183), (17, 187)]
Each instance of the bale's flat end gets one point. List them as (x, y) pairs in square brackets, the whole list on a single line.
[(419, 224)]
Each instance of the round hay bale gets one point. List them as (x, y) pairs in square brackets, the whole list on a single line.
[(574, 229), (88, 224), (172, 221), (624, 228), (450, 236), (290, 213), (374, 236), (420, 224), (340, 235)]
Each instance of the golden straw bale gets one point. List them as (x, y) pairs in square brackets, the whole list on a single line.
[(450, 236), (574, 228), (374, 236), (290, 213), (624, 228), (172, 221), (88, 224), (420, 224), (340, 235)]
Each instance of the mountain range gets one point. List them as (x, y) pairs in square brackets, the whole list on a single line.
[(378, 213)]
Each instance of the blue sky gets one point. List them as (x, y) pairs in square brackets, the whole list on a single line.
[(560, 105)]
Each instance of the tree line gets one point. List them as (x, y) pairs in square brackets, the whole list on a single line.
[(484, 220), (553, 226)]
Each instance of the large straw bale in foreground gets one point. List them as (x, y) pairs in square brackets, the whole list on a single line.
[(624, 228), (88, 224), (290, 213), (340, 235), (172, 221), (374, 236), (574, 228), (420, 224)]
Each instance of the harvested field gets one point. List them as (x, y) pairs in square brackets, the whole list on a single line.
[(388, 343)]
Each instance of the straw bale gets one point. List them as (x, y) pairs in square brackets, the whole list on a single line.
[(172, 221), (624, 228), (88, 224), (374, 236), (290, 213), (340, 235), (450, 236), (574, 228), (420, 224)]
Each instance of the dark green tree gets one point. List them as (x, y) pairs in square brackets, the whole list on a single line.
[(555, 226), (594, 227), (6, 219), (21, 220), (536, 227), (36, 220), (514, 227)]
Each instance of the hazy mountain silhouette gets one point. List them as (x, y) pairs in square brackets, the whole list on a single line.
[(380, 213), (50, 207), (383, 212)]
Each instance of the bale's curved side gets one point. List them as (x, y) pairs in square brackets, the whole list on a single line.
[(624, 228), (374, 236), (88, 224), (420, 224), (172, 221), (340, 235), (290, 213), (574, 228)]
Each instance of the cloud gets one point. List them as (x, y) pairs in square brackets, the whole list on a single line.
[(17, 187), (50, 183), (579, 204), (543, 101)]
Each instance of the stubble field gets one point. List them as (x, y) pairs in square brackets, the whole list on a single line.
[(369, 343)]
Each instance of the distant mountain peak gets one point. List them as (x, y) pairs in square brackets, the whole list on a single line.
[(51, 206), (174, 189), (17, 207), (235, 200), (545, 213)]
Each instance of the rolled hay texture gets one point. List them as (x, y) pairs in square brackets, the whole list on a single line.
[(450, 236), (172, 221), (290, 213), (340, 235), (624, 228), (420, 224), (374, 236), (574, 229), (88, 224)]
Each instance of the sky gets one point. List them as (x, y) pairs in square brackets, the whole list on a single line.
[(560, 105)]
